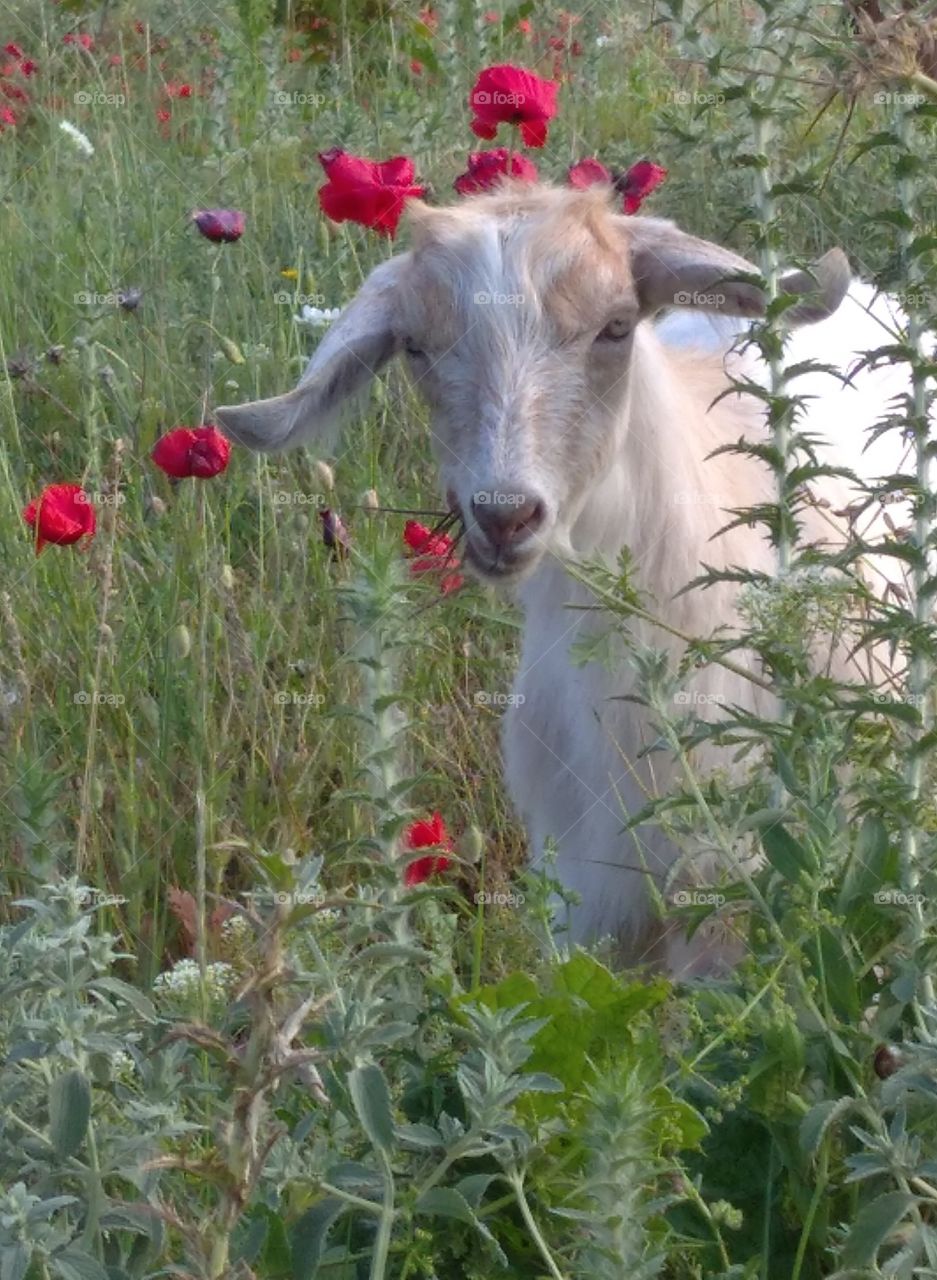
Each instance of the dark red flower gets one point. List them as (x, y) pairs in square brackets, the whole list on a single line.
[(428, 833), (7, 117), (367, 191), (62, 514), (202, 452), (28, 67), (334, 532), (638, 183), (511, 95), (176, 90), (585, 173), (83, 39), (486, 167), (13, 50), (224, 226)]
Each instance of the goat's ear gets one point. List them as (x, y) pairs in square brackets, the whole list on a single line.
[(673, 269), (356, 347)]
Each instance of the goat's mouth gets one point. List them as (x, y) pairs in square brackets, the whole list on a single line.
[(499, 567)]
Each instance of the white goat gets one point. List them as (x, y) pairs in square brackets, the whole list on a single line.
[(565, 424)]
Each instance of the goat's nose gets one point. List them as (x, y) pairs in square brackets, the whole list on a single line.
[(507, 517)]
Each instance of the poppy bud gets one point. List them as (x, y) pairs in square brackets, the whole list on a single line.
[(157, 506), (471, 845), (370, 501)]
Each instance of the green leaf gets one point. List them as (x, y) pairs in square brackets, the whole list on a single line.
[(446, 1202), (14, 1261), (873, 1225), (371, 1097), (816, 1122), (129, 995), (423, 1136), (69, 1112), (75, 1264), (309, 1235), (785, 853)]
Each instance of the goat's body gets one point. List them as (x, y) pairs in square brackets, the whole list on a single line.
[(565, 423), (572, 746)]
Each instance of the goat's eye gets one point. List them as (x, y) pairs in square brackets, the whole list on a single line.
[(615, 331)]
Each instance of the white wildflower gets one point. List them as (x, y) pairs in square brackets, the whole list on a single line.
[(183, 979), (81, 140), (316, 317), (602, 41)]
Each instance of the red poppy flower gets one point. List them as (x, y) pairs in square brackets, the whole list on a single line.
[(84, 40), (524, 27), (223, 226), (28, 67), (588, 172), (486, 167), (7, 116), (62, 514), (429, 18), (433, 555), (638, 183), (424, 542), (428, 833), (175, 90), (511, 95), (202, 452), (13, 50), (367, 191), (163, 116), (635, 185)]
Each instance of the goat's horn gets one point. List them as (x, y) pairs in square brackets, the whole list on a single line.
[(824, 286)]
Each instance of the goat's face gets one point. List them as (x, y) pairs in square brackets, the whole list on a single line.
[(516, 313), (517, 331)]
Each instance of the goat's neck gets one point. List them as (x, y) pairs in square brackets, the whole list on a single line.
[(662, 496)]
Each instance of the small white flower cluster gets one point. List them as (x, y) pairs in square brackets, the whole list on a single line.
[(181, 982), (317, 317)]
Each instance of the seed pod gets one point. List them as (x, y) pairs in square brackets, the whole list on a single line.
[(370, 501), (325, 476), (180, 642), (231, 350), (227, 577), (157, 506)]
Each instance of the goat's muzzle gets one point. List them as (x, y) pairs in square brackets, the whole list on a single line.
[(502, 528)]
